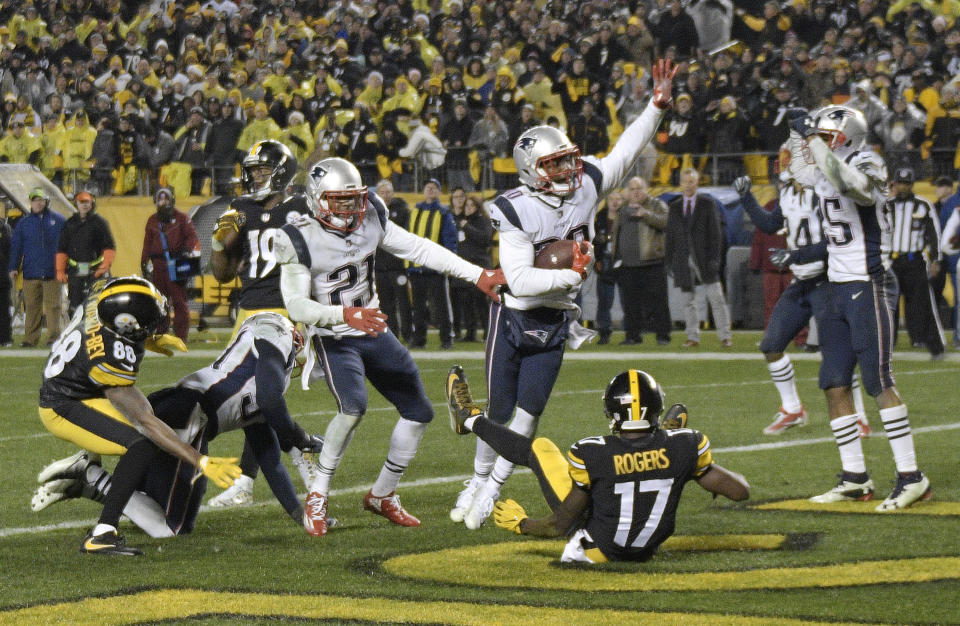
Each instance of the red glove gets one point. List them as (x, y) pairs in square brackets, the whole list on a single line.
[(489, 282), (582, 258), (663, 73), (371, 321)]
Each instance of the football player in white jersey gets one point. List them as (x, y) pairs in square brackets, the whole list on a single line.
[(796, 215), (527, 333), (242, 388), (858, 326), (327, 280)]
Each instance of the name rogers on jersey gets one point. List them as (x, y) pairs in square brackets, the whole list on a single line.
[(640, 461)]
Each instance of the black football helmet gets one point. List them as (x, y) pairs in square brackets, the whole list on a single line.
[(272, 154), (131, 307), (633, 402)]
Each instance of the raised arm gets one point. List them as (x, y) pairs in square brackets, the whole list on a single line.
[(767, 221), (615, 166)]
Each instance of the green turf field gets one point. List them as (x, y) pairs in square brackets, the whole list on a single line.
[(728, 563)]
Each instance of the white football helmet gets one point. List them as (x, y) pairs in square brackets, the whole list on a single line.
[(336, 194), (841, 127), (548, 161)]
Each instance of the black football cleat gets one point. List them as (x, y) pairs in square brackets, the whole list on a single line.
[(675, 417), (108, 543)]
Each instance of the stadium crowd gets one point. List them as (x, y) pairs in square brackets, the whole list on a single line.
[(135, 95)]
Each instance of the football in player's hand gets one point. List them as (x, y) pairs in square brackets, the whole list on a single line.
[(558, 255)]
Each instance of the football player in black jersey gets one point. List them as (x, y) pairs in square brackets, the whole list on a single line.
[(242, 246), (88, 395), (618, 493), (242, 388)]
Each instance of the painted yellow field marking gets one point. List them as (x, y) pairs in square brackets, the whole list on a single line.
[(173, 604), (531, 564), (920, 508)]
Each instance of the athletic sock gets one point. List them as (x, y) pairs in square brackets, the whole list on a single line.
[(403, 447), (848, 441), (523, 424), (897, 426), (786, 381), (335, 441)]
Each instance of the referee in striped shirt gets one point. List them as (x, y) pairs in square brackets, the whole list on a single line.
[(916, 238)]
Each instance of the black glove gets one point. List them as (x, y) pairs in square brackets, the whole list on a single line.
[(780, 257), (742, 185), (801, 122), (313, 444)]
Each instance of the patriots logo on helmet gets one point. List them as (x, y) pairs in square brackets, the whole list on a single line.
[(526, 143), (318, 172), (837, 115)]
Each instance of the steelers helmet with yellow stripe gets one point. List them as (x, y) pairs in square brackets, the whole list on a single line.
[(633, 402), (131, 307)]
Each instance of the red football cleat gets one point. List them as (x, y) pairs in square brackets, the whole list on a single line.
[(389, 506), (315, 514)]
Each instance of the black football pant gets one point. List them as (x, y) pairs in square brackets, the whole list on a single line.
[(923, 320), (643, 294), (541, 455), (431, 299), (394, 293)]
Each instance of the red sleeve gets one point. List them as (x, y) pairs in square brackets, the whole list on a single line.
[(149, 239)]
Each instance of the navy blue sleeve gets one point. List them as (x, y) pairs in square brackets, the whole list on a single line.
[(448, 232), (299, 244), (382, 214), (270, 375), (263, 442), (809, 254), (506, 207), (595, 175), (767, 221)]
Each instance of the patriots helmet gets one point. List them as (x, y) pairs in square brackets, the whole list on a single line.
[(633, 402), (271, 154), (841, 127), (132, 307), (548, 161), (336, 194)]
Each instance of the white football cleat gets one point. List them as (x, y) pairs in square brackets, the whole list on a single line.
[(784, 420), (74, 466), (909, 490), (480, 509), (465, 498), (847, 491), (240, 493), (54, 491), (305, 464)]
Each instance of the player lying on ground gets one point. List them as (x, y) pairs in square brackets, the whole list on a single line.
[(618, 493), (243, 388), (88, 395)]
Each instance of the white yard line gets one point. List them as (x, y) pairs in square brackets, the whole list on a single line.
[(442, 480)]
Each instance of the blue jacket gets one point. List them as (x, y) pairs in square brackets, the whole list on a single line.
[(34, 244), (422, 224)]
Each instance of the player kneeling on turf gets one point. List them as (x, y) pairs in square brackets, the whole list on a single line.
[(243, 388), (617, 493)]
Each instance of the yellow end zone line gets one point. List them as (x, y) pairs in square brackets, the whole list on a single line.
[(173, 604), (920, 508), (529, 564)]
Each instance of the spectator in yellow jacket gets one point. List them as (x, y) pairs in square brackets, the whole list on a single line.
[(299, 138), (19, 146), (51, 154), (261, 127), (77, 145), (406, 97)]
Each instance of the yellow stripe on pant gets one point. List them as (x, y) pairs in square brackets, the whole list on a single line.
[(63, 428), (552, 469)]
